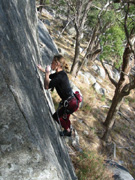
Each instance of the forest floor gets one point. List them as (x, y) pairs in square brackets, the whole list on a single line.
[(88, 120)]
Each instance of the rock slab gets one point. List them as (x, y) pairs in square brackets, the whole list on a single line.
[(30, 146)]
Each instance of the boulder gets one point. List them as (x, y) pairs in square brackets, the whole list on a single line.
[(99, 70), (75, 141), (84, 78), (98, 89), (119, 172), (116, 74), (81, 49), (62, 51), (49, 12), (91, 78), (74, 87), (71, 31), (109, 69), (47, 22), (30, 146)]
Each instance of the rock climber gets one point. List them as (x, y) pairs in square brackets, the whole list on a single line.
[(69, 100)]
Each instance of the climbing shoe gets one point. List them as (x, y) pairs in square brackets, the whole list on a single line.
[(65, 133)]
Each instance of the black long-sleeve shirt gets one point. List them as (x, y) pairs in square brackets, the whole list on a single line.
[(60, 81)]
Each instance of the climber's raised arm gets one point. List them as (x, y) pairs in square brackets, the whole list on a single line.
[(47, 80), (47, 73)]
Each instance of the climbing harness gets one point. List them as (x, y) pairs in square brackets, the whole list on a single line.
[(72, 103), (69, 106)]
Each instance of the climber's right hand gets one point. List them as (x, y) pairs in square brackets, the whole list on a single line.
[(47, 69), (40, 68)]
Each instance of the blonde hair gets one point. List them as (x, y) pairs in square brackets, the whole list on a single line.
[(60, 58)]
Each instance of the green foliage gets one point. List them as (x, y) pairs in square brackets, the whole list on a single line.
[(114, 38), (92, 17), (47, 2), (131, 19), (62, 3), (60, 7), (103, 98), (112, 43), (105, 16)]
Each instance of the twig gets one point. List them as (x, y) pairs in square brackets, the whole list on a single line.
[(118, 112), (127, 148), (123, 116), (109, 75), (114, 152), (65, 27)]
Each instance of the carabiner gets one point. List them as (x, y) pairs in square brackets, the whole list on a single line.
[(65, 103)]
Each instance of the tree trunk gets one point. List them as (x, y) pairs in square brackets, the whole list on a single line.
[(93, 57), (109, 122), (81, 65), (93, 37), (81, 11), (119, 94), (92, 50), (116, 100), (76, 57), (41, 3)]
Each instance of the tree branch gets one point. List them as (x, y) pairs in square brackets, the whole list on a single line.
[(71, 6), (109, 76), (128, 87), (65, 27), (127, 1), (86, 9), (92, 54), (104, 9)]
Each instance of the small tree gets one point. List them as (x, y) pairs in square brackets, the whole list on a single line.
[(80, 9), (101, 25), (80, 14), (127, 80)]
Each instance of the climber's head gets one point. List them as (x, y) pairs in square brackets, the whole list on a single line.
[(58, 63)]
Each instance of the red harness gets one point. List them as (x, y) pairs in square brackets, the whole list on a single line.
[(72, 103)]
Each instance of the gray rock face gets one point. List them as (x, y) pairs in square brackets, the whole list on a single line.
[(47, 46), (30, 146)]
